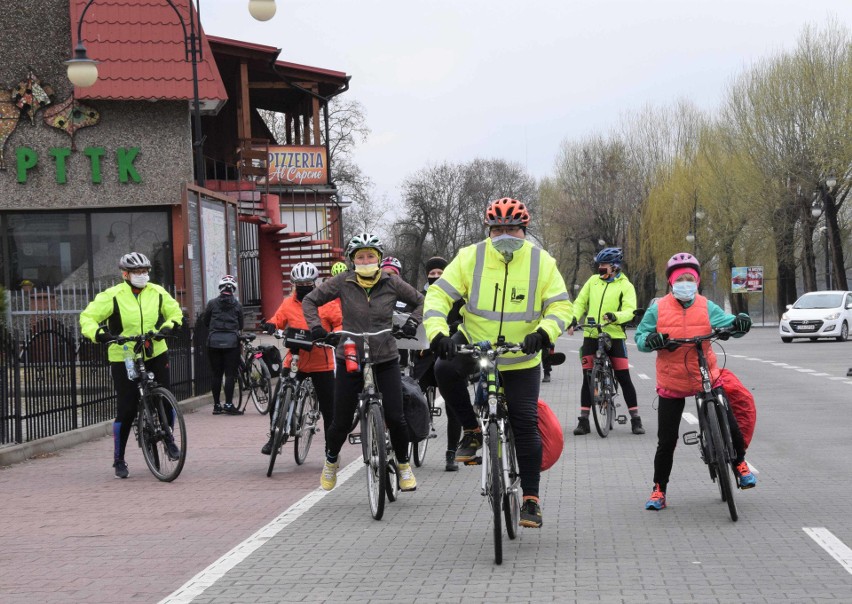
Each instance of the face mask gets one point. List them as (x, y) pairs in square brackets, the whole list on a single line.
[(366, 270), (139, 281), (603, 273), (432, 280), (302, 291), (507, 245), (685, 290)]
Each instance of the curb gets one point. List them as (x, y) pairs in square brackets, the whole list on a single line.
[(43, 446)]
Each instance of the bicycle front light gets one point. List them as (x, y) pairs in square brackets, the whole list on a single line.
[(483, 363)]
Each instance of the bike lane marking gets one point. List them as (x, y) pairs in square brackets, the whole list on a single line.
[(689, 418), (831, 544), (198, 584)]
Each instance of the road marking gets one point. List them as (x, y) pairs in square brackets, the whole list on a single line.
[(837, 378), (754, 359), (831, 544), (781, 364), (643, 376), (820, 374), (689, 418), (207, 577), (803, 370)]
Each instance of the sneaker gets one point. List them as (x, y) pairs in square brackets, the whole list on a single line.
[(121, 470), (657, 500), (546, 377), (172, 450), (452, 466), (267, 448), (470, 442), (636, 425), (407, 482), (329, 475), (746, 478), (231, 410), (217, 409), (582, 426), (530, 513)]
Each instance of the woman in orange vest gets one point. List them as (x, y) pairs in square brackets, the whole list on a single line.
[(684, 313), (317, 363)]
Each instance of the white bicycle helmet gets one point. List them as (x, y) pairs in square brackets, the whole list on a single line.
[(304, 272), (228, 282), (133, 261), (364, 240)]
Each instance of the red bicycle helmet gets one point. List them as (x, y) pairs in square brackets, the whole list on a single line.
[(682, 260), (507, 212)]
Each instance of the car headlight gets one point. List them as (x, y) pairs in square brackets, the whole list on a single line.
[(784, 317), (832, 316)]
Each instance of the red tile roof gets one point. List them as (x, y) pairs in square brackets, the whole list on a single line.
[(140, 48)]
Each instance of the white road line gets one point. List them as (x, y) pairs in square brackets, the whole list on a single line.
[(820, 374), (753, 359), (837, 378), (643, 376), (793, 367), (689, 418), (207, 577), (781, 364), (831, 544), (804, 370)]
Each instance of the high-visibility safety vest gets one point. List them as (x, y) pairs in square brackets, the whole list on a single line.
[(510, 299)]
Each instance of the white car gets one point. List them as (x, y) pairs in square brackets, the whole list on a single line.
[(825, 314)]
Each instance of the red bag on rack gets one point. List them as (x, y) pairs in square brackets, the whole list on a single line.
[(742, 403), (552, 439)]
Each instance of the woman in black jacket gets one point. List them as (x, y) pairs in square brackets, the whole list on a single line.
[(224, 320)]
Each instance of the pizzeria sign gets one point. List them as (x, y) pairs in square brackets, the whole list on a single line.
[(298, 166)]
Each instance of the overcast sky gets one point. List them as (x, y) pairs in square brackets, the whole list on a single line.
[(460, 79)]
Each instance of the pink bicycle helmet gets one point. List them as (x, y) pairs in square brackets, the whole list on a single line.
[(682, 260)]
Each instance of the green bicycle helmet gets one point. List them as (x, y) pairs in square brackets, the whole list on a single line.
[(337, 268)]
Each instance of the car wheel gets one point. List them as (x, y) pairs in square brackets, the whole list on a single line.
[(844, 333), (786, 340)]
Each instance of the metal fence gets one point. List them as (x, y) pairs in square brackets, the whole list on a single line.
[(53, 381)]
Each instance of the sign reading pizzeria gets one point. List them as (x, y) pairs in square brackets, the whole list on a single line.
[(298, 166)]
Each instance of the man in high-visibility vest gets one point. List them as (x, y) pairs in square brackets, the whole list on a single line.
[(512, 289)]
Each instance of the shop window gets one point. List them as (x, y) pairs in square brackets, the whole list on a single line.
[(117, 233), (47, 249)]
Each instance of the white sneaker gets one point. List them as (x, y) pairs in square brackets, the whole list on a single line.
[(407, 482)]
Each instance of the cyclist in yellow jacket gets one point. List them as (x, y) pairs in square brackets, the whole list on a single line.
[(131, 308), (607, 297), (511, 289)]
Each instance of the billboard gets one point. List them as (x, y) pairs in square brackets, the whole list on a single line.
[(746, 279)]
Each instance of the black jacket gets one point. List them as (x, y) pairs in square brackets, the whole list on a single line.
[(224, 320)]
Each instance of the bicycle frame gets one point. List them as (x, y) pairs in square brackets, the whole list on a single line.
[(603, 363)]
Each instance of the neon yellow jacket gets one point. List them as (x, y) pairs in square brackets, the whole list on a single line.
[(598, 297), (511, 299), (128, 315)]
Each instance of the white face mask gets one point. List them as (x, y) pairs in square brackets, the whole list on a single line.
[(507, 245), (685, 290), (139, 281), (366, 270)]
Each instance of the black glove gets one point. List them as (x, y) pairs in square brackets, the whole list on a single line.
[(318, 333), (409, 330), (656, 340), (268, 328), (333, 338), (535, 341), (609, 316), (443, 346), (742, 323), (104, 336), (166, 330)]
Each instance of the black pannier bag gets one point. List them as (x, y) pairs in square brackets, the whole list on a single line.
[(416, 409), (272, 358)]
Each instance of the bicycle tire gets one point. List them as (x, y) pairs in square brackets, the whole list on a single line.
[(241, 385), (720, 459), (512, 498), (418, 449), (493, 486), (392, 477), (601, 406), (279, 431), (307, 417), (155, 430), (376, 460), (260, 386)]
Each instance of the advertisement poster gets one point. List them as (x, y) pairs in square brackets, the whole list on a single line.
[(746, 279)]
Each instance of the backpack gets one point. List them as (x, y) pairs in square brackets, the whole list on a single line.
[(416, 409)]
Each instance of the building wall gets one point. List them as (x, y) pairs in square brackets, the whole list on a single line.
[(40, 40)]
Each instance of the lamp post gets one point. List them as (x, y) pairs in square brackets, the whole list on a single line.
[(692, 235), (818, 207), (83, 71)]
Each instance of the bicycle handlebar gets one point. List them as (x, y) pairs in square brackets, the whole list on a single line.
[(478, 348), (720, 333), (594, 325), (140, 338)]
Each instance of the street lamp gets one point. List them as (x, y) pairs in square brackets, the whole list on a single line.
[(818, 207), (83, 71), (692, 235)]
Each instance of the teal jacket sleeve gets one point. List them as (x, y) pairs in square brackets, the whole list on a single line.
[(647, 326), (719, 318)]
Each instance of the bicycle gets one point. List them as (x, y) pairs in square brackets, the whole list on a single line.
[(603, 387), (159, 425), (376, 448), (253, 378), (714, 431), (501, 480), (296, 408)]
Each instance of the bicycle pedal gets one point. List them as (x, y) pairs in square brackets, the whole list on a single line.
[(354, 439), (437, 411), (621, 419), (433, 435), (690, 438), (476, 461)]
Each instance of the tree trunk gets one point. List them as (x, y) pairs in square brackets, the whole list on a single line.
[(835, 245)]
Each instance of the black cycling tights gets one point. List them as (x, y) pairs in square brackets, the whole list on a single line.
[(224, 361)]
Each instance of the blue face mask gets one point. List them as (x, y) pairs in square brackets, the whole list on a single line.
[(685, 290)]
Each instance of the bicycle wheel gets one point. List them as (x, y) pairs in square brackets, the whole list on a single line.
[(512, 498), (493, 486), (241, 385), (376, 461), (279, 429), (392, 477), (161, 427), (601, 403), (306, 420), (418, 449), (259, 386), (721, 463)]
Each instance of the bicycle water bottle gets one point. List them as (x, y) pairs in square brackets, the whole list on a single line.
[(130, 364), (350, 353)]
